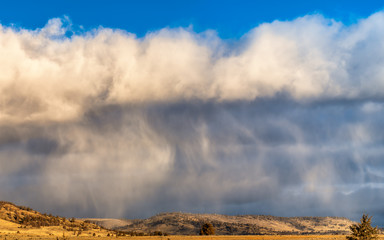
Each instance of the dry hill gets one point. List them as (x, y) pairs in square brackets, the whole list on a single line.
[(25, 221), (190, 224)]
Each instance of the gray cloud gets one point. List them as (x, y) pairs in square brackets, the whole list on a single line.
[(286, 121)]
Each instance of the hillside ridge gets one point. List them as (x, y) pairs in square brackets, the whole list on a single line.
[(177, 223), (26, 221)]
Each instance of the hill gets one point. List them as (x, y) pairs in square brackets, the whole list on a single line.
[(190, 224), (25, 221)]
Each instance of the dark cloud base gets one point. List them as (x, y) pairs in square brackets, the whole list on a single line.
[(270, 156)]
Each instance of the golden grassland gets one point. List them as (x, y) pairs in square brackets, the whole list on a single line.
[(43, 236), (13, 231)]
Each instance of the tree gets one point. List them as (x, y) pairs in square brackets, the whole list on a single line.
[(363, 230), (207, 229)]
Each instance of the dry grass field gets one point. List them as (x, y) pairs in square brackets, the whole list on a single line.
[(22, 223), (13, 231), (24, 236)]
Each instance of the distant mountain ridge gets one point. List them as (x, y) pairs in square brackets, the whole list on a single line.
[(190, 224)]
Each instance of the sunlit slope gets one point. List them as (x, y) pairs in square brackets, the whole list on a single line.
[(24, 221), (190, 224)]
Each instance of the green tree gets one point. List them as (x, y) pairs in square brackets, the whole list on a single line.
[(207, 229), (363, 230)]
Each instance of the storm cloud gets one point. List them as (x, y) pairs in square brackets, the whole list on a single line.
[(286, 120)]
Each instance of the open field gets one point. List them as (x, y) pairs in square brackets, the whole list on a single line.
[(13, 231), (23, 223), (248, 237)]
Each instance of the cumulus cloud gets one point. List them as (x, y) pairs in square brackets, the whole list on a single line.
[(308, 58), (284, 121)]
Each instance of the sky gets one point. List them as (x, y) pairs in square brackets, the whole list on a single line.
[(127, 109)]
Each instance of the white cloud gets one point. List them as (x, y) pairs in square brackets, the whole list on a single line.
[(46, 77)]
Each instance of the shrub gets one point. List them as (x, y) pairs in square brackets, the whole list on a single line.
[(207, 229), (363, 230)]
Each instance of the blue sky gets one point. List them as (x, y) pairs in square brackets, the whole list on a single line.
[(231, 19), (285, 120)]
